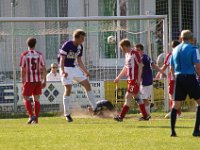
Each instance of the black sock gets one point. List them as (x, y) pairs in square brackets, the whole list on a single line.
[(197, 122), (173, 120)]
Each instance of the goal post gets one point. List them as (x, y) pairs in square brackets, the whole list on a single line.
[(102, 59)]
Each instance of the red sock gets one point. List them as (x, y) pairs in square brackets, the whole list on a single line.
[(28, 106), (36, 108), (143, 110), (125, 109), (178, 112), (170, 103)]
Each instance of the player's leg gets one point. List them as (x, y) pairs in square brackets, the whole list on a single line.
[(180, 93), (66, 102), (125, 108), (27, 92), (36, 95), (196, 131), (67, 83), (36, 107), (145, 92), (85, 83)]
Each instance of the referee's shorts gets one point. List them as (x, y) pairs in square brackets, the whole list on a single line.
[(186, 84)]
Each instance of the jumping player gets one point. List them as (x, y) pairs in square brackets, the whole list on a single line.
[(73, 69), (32, 66), (170, 78), (133, 70), (147, 76)]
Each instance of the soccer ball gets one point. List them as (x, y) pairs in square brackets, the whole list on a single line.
[(111, 40)]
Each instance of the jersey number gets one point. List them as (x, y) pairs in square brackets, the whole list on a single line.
[(33, 64)]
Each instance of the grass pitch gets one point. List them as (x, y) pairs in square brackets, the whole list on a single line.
[(54, 133)]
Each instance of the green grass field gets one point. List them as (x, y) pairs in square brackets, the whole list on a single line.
[(54, 133)]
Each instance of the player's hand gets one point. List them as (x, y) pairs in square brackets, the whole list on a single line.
[(87, 74), (64, 74), (43, 85), (116, 80)]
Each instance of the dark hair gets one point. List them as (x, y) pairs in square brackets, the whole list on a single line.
[(31, 42), (125, 42), (78, 32), (175, 43), (140, 46)]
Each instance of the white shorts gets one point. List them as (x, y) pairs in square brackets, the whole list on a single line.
[(146, 91), (74, 75)]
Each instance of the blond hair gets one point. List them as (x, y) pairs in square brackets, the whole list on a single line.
[(78, 32), (125, 42), (186, 35)]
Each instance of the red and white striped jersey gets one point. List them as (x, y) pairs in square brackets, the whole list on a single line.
[(167, 63), (132, 60), (32, 61)]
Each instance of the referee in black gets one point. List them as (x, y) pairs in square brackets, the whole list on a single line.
[(185, 64)]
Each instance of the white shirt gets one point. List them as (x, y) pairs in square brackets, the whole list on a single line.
[(53, 77)]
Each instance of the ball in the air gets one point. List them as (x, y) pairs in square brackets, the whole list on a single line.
[(111, 40)]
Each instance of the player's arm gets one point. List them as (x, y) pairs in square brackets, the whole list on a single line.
[(140, 66), (82, 67), (23, 74), (163, 68), (121, 74), (44, 74), (62, 60), (160, 70)]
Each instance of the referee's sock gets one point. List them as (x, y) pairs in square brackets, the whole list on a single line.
[(197, 122), (173, 121)]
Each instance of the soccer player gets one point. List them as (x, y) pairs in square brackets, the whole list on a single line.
[(53, 75), (32, 66), (132, 70), (185, 64), (73, 69), (147, 76), (170, 77), (101, 106)]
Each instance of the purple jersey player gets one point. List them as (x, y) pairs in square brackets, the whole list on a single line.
[(147, 76), (73, 69)]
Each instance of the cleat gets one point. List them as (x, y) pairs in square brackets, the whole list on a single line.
[(69, 118), (167, 116), (118, 118), (197, 133), (31, 119), (145, 118), (173, 134), (35, 121)]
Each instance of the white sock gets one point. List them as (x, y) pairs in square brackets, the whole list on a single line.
[(92, 100), (66, 101)]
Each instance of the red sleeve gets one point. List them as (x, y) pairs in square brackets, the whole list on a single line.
[(167, 59)]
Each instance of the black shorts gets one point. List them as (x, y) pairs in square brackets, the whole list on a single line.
[(186, 84)]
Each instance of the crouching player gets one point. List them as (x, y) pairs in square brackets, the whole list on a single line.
[(32, 66), (133, 70), (102, 105)]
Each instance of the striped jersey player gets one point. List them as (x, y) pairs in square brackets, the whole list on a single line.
[(132, 70), (32, 67)]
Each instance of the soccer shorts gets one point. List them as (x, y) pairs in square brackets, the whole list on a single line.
[(171, 87), (145, 91), (186, 84), (133, 87), (74, 75), (32, 88)]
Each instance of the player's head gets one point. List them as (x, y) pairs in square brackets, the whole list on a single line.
[(79, 36), (140, 48), (31, 42), (186, 35), (175, 43), (125, 44)]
